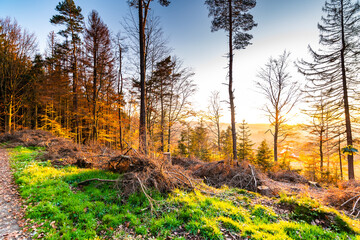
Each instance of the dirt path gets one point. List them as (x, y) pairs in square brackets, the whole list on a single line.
[(11, 215)]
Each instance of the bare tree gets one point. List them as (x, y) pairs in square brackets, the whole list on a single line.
[(143, 10), (181, 88), (214, 115), (16, 49), (121, 48), (281, 93)]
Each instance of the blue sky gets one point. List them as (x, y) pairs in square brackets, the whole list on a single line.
[(282, 24)]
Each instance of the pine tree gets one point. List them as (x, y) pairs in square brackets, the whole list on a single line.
[(264, 156), (245, 151), (226, 142), (70, 16), (160, 82), (333, 69), (233, 17)]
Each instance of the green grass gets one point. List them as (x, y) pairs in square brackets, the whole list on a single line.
[(96, 210)]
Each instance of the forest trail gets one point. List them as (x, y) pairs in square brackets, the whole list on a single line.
[(11, 214)]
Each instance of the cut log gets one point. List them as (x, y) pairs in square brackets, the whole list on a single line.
[(264, 190)]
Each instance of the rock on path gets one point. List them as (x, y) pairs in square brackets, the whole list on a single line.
[(11, 214)]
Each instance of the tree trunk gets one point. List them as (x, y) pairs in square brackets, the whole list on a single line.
[(162, 120), (94, 130), (231, 92), (276, 135), (75, 97), (8, 118), (349, 139), (341, 170), (142, 127), (321, 154)]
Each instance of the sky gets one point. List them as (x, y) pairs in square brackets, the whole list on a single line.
[(282, 25)]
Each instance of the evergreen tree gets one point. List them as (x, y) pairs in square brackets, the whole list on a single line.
[(160, 82), (70, 16), (199, 142), (264, 156), (233, 17), (333, 69), (245, 150), (226, 142)]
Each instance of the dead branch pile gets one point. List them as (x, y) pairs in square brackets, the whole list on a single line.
[(346, 196), (141, 173), (59, 151), (27, 138), (287, 176), (218, 174)]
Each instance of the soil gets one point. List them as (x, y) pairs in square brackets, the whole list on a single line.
[(11, 213)]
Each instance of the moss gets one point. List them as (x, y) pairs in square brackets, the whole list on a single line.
[(307, 210), (230, 224)]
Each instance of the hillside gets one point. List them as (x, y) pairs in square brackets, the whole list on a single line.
[(64, 201)]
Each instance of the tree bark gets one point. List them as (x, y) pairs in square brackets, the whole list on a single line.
[(349, 139), (142, 127), (231, 92)]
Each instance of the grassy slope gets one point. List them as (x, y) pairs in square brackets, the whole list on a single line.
[(95, 211)]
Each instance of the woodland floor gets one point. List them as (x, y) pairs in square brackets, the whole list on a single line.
[(11, 213)]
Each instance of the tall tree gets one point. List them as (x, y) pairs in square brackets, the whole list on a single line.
[(70, 16), (143, 9), (281, 92), (161, 77), (121, 48), (232, 16), (99, 59), (333, 69)]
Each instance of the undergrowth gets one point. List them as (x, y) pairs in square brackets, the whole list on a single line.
[(97, 210)]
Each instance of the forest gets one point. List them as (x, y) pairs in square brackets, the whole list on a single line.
[(104, 141)]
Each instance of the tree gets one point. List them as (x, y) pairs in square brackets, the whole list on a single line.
[(323, 126), (99, 59), (199, 144), (16, 50), (233, 17), (70, 16), (264, 156), (226, 143), (281, 93), (143, 9), (245, 151), (181, 88), (121, 48), (161, 80), (214, 115), (333, 69)]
